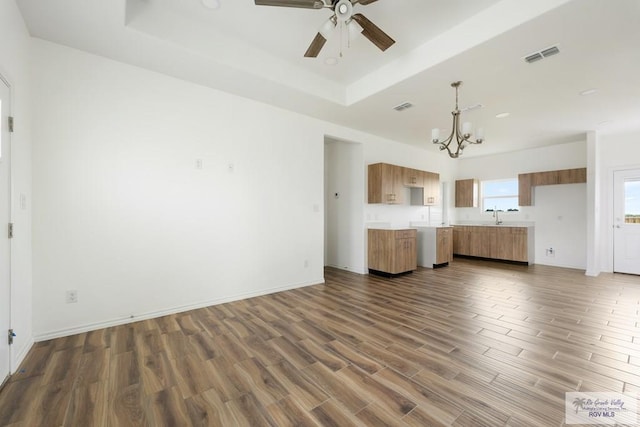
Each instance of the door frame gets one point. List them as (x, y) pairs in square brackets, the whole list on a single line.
[(4, 80), (609, 222)]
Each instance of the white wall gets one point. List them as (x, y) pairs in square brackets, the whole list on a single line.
[(14, 66), (344, 175), (618, 151), (559, 212), (123, 215)]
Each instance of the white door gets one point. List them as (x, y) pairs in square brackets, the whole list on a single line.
[(626, 227), (5, 213)]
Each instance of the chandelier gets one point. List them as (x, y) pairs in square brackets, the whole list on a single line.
[(458, 137)]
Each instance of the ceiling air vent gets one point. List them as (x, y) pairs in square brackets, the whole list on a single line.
[(545, 53), (403, 106)]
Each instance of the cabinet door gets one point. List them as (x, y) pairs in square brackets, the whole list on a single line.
[(545, 178), (572, 176), (431, 188), (467, 193), (412, 178), (504, 243), (461, 241), (520, 245), (379, 250), (444, 245), (406, 258), (385, 183), (524, 189), (482, 242)]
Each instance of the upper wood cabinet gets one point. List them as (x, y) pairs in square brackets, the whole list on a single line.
[(431, 195), (467, 193), (387, 184), (412, 177), (526, 181)]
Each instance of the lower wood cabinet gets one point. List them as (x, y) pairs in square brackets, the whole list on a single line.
[(499, 242), (392, 251)]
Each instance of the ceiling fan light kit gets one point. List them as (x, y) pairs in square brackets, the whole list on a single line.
[(458, 136), (356, 24)]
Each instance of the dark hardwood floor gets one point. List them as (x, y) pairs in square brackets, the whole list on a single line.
[(477, 343)]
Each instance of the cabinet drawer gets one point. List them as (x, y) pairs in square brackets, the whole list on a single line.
[(405, 234)]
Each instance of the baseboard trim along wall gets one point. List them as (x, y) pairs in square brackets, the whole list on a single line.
[(165, 312)]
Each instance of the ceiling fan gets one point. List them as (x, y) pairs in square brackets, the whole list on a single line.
[(355, 23)]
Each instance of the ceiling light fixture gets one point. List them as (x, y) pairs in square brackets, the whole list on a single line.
[(502, 115), (461, 136), (331, 61)]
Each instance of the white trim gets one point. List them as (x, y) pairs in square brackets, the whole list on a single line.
[(19, 358), (165, 312), (358, 270)]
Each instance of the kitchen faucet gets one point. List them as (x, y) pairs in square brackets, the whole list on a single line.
[(495, 215)]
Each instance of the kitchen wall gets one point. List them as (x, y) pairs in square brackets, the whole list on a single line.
[(349, 215), (14, 66), (559, 212)]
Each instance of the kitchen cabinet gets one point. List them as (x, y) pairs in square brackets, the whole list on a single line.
[(524, 189), (392, 251), (412, 177), (431, 194), (386, 184), (495, 242), (435, 246), (461, 240), (526, 181), (467, 193)]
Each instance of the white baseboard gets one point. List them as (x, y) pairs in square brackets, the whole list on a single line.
[(167, 311), (358, 270)]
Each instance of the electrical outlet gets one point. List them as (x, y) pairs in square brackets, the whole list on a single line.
[(306, 263), (551, 252), (72, 297)]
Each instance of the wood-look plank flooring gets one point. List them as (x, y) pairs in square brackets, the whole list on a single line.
[(476, 343)]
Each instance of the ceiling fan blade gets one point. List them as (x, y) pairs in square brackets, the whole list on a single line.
[(373, 33), (316, 46), (305, 4), (366, 2)]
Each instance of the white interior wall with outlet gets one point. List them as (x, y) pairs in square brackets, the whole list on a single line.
[(558, 227), (548, 228), (14, 66), (154, 195)]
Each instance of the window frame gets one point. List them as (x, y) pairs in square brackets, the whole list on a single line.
[(483, 197)]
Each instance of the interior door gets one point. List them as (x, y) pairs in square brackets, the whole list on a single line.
[(626, 231), (5, 213)]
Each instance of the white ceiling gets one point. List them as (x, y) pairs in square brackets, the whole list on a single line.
[(257, 52)]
